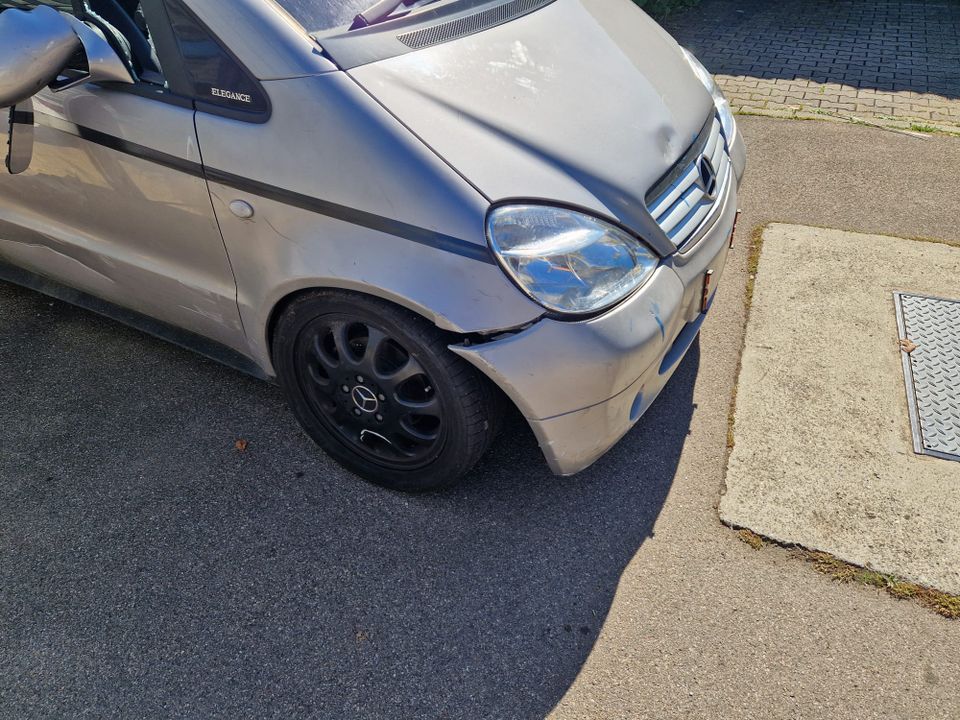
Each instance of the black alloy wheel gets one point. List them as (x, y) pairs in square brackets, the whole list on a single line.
[(378, 388), (369, 390)]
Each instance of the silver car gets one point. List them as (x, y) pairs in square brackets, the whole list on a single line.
[(411, 215)]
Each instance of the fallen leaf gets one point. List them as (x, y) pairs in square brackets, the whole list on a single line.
[(241, 445), (908, 346)]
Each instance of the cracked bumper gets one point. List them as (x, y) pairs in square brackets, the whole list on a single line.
[(583, 385)]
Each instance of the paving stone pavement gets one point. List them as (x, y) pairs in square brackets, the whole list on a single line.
[(888, 60)]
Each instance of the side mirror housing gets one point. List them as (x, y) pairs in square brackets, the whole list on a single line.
[(35, 46), (103, 63)]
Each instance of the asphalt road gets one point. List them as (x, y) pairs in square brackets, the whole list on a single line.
[(149, 569)]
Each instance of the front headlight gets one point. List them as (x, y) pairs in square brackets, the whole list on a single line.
[(568, 261), (723, 106)]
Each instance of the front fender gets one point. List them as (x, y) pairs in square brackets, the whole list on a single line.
[(342, 195)]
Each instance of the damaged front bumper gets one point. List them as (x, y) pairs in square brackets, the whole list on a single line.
[(583, 385)]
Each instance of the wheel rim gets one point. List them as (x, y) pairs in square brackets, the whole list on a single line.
[(370, 392)]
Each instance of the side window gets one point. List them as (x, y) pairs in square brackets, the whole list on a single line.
[(216, 77), (122, 21)]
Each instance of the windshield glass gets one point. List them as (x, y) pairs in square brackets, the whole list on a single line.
[(320, 15), (317, 15)]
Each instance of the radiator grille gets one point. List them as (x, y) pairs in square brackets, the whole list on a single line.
[(683, 201)]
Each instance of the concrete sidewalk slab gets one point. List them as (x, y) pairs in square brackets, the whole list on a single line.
[(823, 455)]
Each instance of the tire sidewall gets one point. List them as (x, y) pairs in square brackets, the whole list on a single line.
[(453, 458)]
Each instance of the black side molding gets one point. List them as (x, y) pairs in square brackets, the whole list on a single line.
[(354, 216), (172, 334)]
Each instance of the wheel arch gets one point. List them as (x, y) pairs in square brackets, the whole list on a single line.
[(456, 335), (292, 295)]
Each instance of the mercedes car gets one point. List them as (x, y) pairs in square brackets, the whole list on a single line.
[(414, 216)]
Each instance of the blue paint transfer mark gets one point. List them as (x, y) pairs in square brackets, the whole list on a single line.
[(655, 311), (637, 409)]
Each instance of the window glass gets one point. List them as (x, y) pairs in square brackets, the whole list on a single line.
[(321, 15), (216, 75), (125, 21)]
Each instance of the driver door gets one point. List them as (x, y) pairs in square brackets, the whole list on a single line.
[(114, 202)]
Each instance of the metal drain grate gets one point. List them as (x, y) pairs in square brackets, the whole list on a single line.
[(932, 371)]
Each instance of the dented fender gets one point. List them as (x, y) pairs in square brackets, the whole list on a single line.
[(556, 367)]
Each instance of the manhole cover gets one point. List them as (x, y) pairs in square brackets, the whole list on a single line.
[(931, 366)]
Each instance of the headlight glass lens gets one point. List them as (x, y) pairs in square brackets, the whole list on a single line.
[(726, 116), (723, 106), (700, 71), (567, 261)]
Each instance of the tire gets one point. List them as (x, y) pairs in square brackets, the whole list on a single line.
[(376, 387)]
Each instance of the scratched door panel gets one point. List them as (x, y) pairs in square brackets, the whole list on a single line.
[(114, 204)]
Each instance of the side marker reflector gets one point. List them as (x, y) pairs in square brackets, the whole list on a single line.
[(733, 230), (705, 297)]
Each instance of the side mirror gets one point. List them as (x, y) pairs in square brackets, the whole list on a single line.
[(37, 45), (103, 63)]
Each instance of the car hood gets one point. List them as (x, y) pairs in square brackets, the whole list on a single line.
[(583, 102)]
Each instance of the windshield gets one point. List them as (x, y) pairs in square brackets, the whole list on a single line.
[(320, 15), (317, 15)]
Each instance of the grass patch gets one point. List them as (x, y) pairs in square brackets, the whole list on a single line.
[(942, 603), (915, 238), (794, 113), (751, 539), (753, 265), (753, 262), (878, 121), (732, 417)]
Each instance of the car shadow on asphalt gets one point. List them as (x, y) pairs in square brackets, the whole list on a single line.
[(148, 567)]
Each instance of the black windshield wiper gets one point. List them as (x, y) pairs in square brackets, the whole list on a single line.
[(378, 13)]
